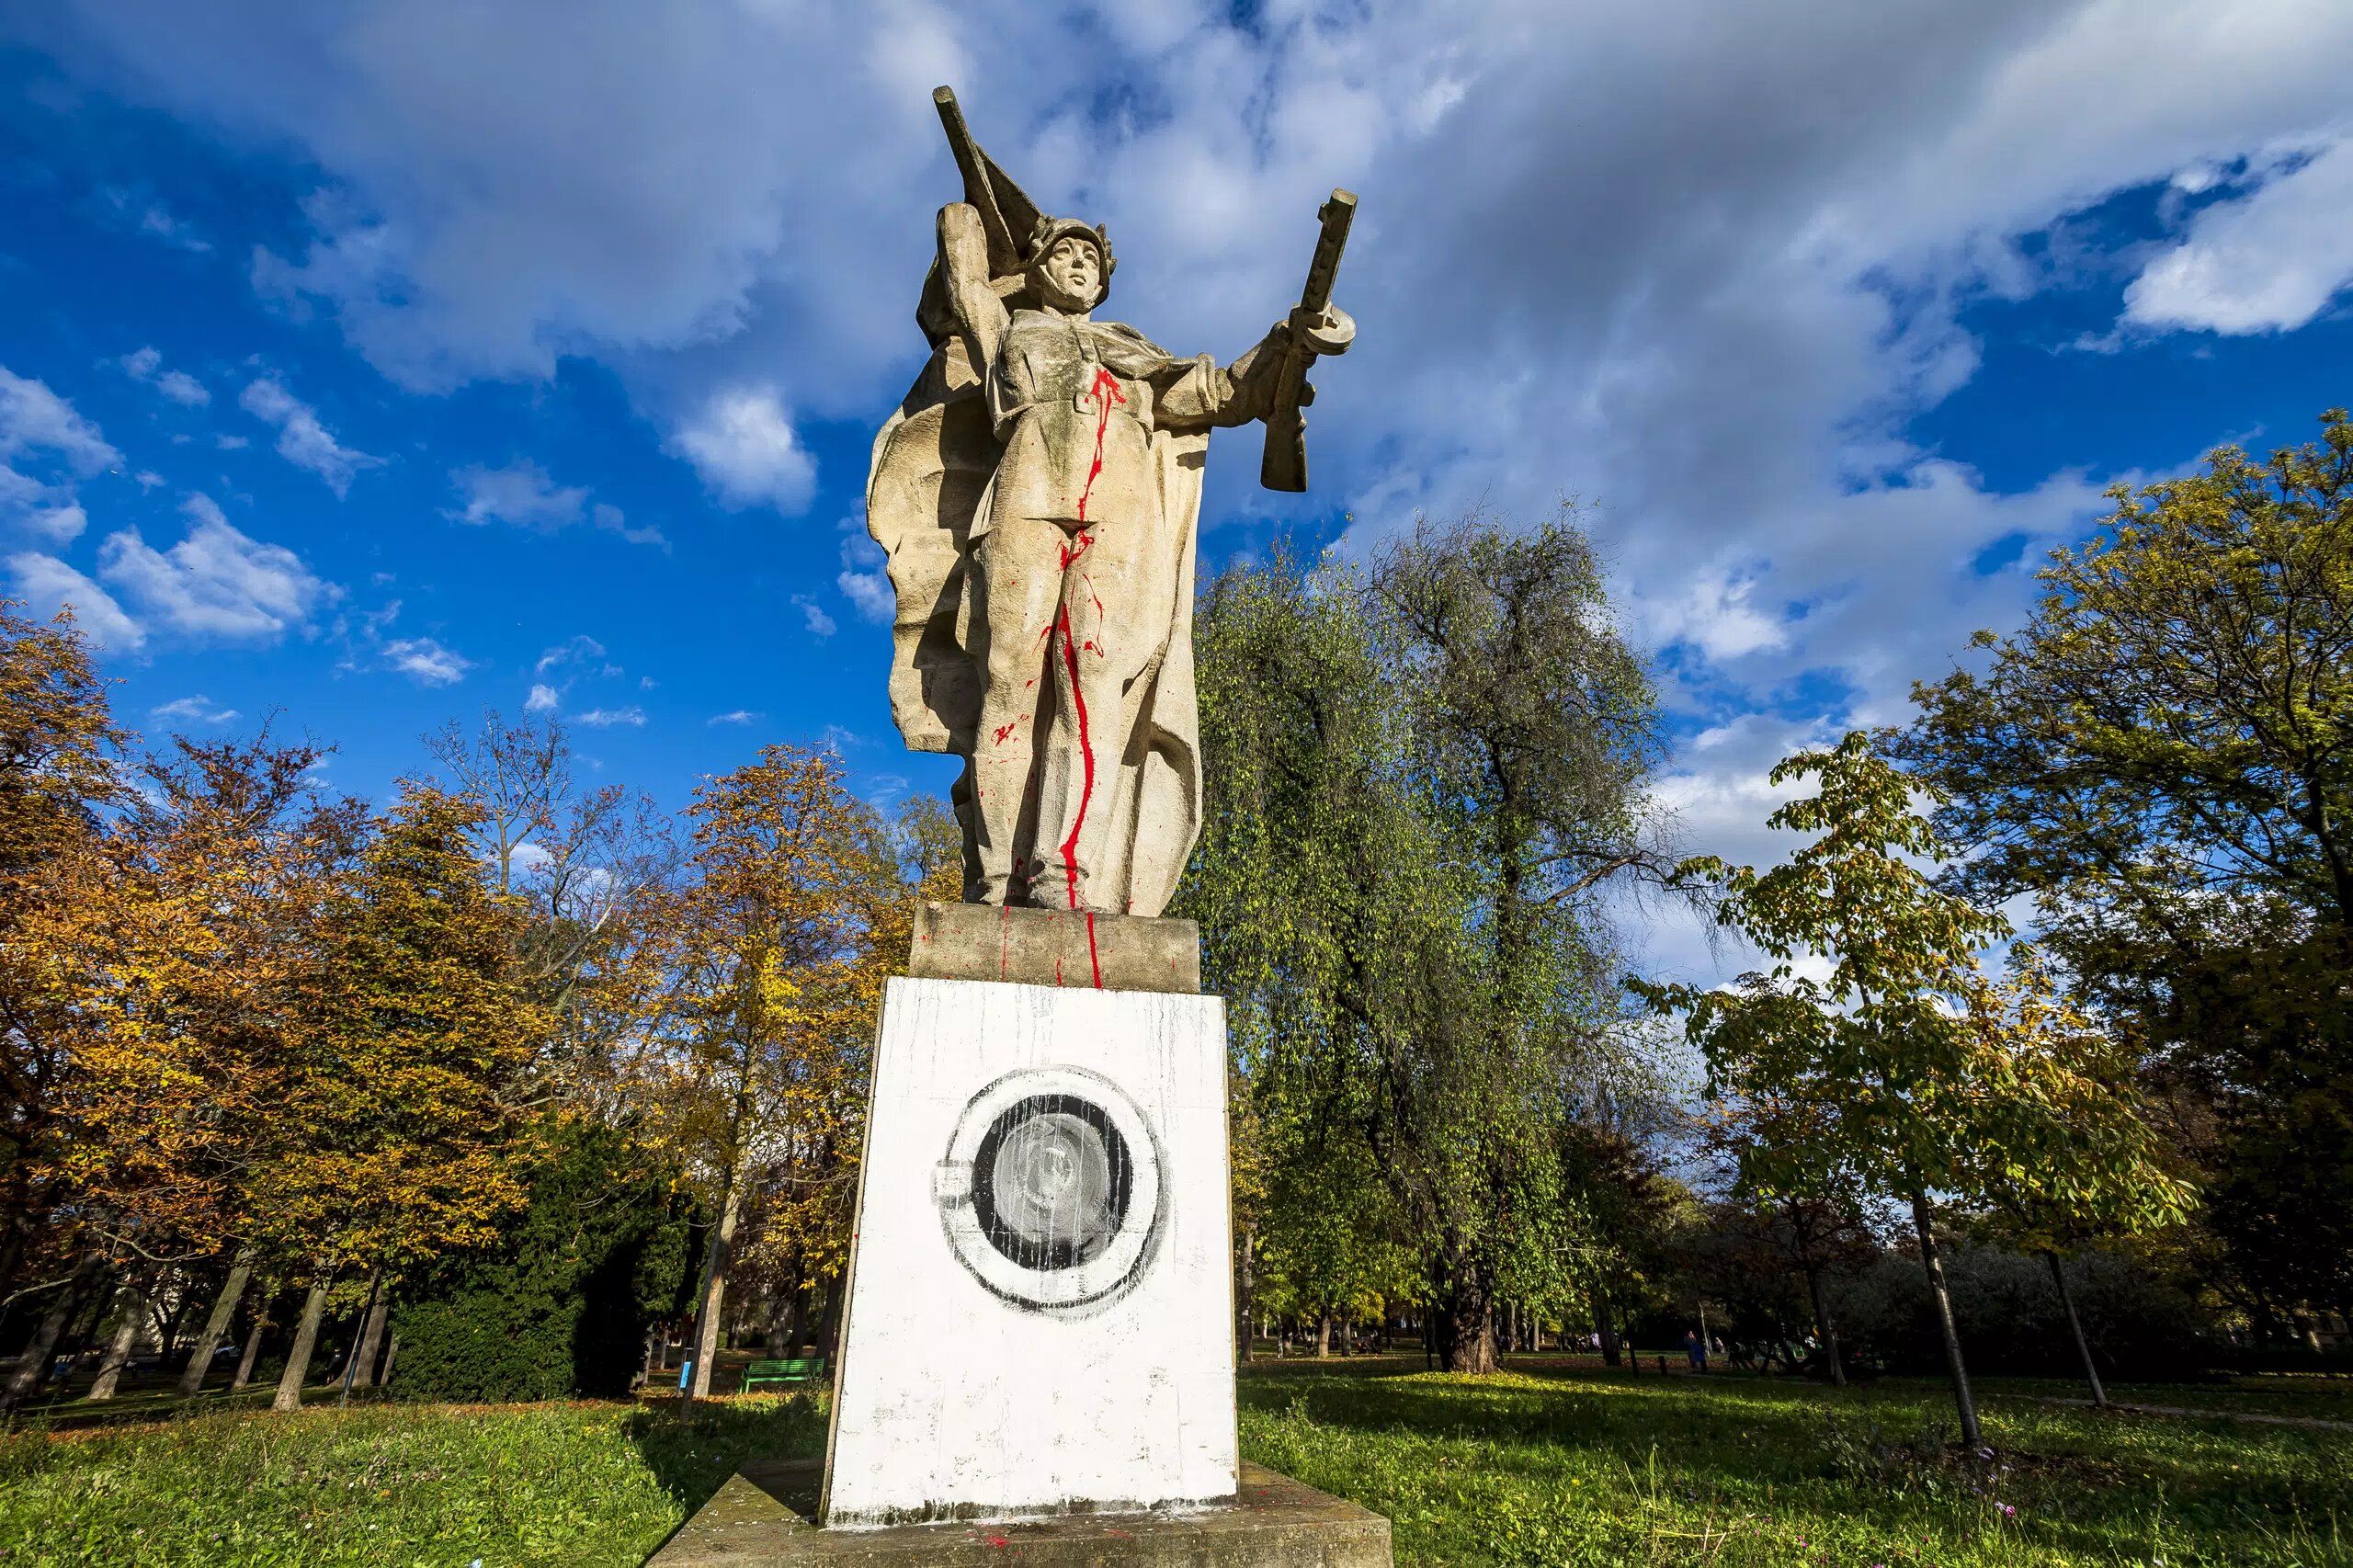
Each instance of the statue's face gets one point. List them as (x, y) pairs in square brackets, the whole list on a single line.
[(1071, 274)]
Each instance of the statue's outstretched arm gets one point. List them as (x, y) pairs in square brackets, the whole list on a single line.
[(964, 262), (1195, 394)]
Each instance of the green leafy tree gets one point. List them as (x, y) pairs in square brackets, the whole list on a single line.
[(2162, 758), (1887, 1066)]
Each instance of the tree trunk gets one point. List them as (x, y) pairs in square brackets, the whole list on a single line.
[(1923, 1223), (1605, 1328), (1467, 1315), (829, 1318), (130, 1315), (354, 1353), (1823, 1327), (717, 1258), (2076, 1326), (298, 1357), (262, 1303), (391, 1354), (1245, 1297), (1323, 1333), (371, 1341), (35, 1360), (216, 1323)]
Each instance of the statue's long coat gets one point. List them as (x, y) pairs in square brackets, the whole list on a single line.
[(933, 463)]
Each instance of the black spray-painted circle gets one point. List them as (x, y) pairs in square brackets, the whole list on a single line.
[(1052, 1190), (1052, 1181)]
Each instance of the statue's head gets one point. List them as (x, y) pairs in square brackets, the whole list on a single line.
[(1070, 263)]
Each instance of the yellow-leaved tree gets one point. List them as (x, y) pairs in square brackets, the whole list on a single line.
[(410, 1039), (792, 915)]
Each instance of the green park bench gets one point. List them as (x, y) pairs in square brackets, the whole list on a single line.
[(800, 1370)]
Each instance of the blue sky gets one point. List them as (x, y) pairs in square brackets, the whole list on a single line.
[(369, 364)]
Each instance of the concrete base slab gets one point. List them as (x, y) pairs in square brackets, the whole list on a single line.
[(761, 1517), (1055, 947)]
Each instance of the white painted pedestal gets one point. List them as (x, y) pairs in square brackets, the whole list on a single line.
[(984, 1375)]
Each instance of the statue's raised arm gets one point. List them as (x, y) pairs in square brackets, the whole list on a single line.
[(1037, 493)]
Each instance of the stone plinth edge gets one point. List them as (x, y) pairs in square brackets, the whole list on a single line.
[(761, 1516), (1054, 946)]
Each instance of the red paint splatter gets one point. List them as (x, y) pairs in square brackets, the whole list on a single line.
[(1005, 730), (1093, 957), (1105, 392), (999, 1541)]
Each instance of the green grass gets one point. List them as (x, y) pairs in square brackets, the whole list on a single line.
[(1549, 1464), (1577, 1466), (383, 1483)]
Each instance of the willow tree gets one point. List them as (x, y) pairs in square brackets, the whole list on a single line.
[(1419, 778), (1532, 736)]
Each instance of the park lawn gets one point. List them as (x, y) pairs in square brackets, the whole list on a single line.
[(1549, 1464), (383, 1483), (1553, 1465)]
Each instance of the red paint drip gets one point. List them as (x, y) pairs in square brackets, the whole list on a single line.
[(1085, 792), (1105, 392)]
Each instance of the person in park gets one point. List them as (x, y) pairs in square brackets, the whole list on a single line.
[(1695, 1350)]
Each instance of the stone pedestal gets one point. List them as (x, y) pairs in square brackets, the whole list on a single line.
[(761, 1518), (1039, 1303)]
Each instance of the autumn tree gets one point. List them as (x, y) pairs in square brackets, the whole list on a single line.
[(218, 868), (2162, 759), (58, 777), (411, 1032), (792, 913), (586, 866)]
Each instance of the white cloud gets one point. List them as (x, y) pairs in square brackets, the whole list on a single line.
[(58, 525), (584, 653), (742, 446), (35, 419), (604, 718), (146, 365), (427, 662), (542, 700), (2269, 262), (144, 215), (522, 493), (47, 584), (301, 439), (861, 579), (196, 710), (216, 582), (739, 716), (814, 617)]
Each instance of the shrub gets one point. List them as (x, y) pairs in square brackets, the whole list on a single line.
[(561, 1304)]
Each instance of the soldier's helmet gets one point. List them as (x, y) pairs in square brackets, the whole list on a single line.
[(1048, 232)]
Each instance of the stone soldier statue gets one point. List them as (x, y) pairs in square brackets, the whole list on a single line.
[(1037, 493)]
